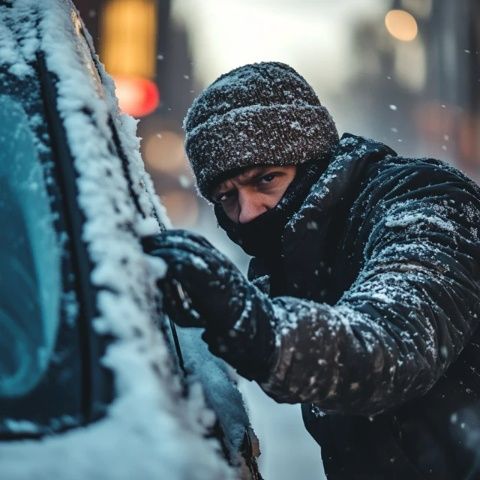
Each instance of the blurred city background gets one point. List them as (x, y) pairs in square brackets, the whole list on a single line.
[(405, 72)]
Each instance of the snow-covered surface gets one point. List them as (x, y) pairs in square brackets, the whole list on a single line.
[(215, 375), (150, 430)]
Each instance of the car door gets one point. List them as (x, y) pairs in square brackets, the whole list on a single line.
[(51, 374), (81, 324)]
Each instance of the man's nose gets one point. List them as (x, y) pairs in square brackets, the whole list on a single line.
[(249, 207)]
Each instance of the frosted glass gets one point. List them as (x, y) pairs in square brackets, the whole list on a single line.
[(30, 257)]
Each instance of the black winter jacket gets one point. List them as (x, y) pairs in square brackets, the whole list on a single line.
[(378, 338)]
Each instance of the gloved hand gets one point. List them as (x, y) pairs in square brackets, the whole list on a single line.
[(237, 316)]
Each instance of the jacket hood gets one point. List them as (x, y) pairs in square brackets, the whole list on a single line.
[(353, 154)]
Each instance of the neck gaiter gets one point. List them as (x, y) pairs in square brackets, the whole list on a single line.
[(263, 235)]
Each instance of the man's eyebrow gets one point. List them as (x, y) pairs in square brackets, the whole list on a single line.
[(252, 174), (246, 177)]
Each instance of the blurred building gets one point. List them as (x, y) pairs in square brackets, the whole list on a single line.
[(421, 95)]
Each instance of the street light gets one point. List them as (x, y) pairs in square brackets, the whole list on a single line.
[(128, 47), (401, 25)]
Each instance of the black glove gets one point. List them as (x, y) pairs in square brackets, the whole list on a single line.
[(237, 316), (177, 304)]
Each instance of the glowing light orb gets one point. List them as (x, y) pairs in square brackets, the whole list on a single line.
[(136, 96), (401, 25)]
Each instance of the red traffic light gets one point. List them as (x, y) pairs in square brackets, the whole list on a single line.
[(137, 96)]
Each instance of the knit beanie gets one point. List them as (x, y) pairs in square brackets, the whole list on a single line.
[(257, 114)]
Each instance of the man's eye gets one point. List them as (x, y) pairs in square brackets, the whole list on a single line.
[(267, 178), (224, 197)]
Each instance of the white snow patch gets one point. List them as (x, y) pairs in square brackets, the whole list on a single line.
[(410, 218)]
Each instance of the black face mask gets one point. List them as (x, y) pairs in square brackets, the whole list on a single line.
[(262, 236)]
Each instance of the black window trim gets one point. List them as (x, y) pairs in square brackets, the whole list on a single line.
[(97, 380)]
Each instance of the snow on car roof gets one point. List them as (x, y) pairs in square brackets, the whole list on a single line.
[(150, 429)]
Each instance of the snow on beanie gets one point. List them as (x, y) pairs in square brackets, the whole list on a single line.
[(257, 114)]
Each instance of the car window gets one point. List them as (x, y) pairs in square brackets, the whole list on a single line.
[(41, 351), (30, 255)]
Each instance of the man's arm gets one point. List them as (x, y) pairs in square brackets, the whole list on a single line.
[(406, 317), (394, 332)]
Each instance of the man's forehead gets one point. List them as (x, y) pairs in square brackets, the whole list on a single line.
[(251, 172)]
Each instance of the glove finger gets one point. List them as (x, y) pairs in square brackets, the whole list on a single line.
[(203, 248), (206, 279), (195, 277), (178, 235), (219, 346), (178, 308), (210, 259), (181, 263), (174, 238), (150, 242), (215, 297)]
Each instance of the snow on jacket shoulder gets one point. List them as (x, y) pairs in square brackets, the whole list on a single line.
[(381, 282)]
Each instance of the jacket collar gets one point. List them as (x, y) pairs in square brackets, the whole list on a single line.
[(337, 183), (311, 235), (310, 240)]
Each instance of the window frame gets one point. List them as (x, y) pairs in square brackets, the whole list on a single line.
[(98, 380)]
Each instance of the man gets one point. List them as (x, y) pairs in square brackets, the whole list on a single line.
[(363, 300)]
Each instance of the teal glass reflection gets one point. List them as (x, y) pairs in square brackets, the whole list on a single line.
[(30, 257)]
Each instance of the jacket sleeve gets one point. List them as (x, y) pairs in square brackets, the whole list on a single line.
[(407, 315)]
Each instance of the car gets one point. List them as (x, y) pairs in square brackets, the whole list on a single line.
[(96, 382)]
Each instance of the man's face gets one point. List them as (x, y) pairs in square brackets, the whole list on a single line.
[(253, 192)]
